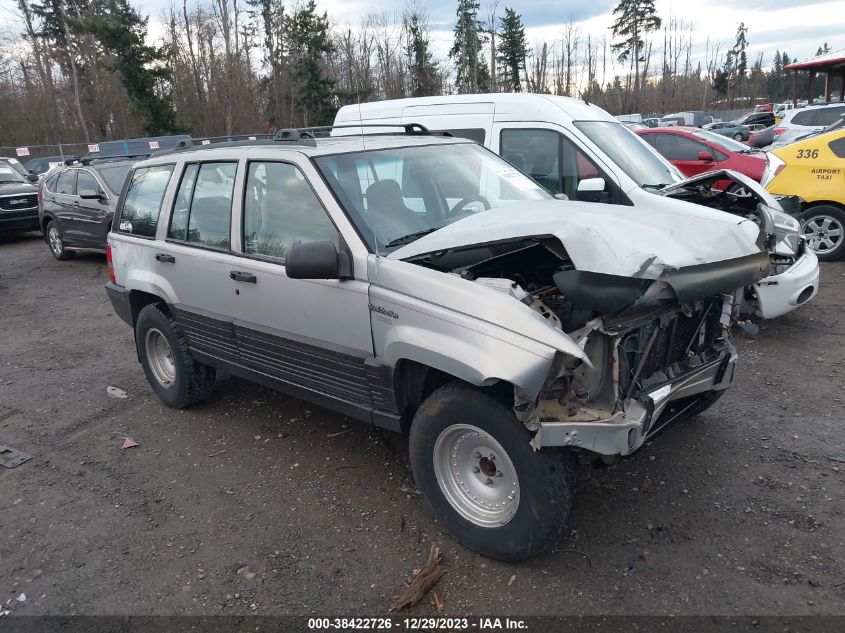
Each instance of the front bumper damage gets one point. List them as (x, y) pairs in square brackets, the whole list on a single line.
[(626, 430), (781, 293)]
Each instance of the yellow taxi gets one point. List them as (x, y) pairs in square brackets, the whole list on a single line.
[(814, 169)]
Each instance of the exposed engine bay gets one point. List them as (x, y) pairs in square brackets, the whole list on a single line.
[(637, 333)]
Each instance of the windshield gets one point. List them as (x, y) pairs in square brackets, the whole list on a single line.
[(395, 196), (632, 154), (721, 141), (9, 174), (114, 175)]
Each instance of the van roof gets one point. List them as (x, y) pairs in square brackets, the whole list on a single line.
[(519, 106)]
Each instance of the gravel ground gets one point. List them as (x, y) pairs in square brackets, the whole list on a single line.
[(258, 503)]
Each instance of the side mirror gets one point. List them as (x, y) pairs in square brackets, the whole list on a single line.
[(31, 177), (90, 194), (591, 184), (313, 260), (705, 156)]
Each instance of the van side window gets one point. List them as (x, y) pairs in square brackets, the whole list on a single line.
[(552, 160), (202, 210), (476, 134), (804, 118), (142, 205), (281, 210)]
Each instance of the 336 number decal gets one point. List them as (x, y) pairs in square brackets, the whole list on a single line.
[(807, 153)]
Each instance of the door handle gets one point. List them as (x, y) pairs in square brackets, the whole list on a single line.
[(241, 276), (167, 259)]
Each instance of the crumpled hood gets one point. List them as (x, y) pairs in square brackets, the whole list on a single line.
[(603, 238)]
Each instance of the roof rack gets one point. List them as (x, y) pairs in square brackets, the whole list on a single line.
[(87, 160), (306, 136)]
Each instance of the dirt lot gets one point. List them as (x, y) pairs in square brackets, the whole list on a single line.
[(258, 503)]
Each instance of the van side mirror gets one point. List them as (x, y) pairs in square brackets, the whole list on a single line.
[(705, 156), (313, 260), (591, 184)]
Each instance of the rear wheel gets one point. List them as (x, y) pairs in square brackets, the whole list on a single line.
[(738, 137), (472, 460), (56, 242), (824, 228), (173, 373)]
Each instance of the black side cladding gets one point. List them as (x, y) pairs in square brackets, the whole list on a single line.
[(704, 280)]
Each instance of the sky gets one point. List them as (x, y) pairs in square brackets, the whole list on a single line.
[(797, 27)]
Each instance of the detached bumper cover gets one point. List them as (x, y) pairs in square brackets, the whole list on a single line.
[(119, 297), (627, 430), (779, 294)]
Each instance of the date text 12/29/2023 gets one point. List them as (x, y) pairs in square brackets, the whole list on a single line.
[(417, 624)]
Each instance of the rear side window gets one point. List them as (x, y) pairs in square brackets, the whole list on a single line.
[(826, 116), (804, 118), (675, 147), (50, 185), (66, 183), (142, 205), (838, 147), (203, 208)]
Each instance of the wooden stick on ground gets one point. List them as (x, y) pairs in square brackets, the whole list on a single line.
[(421, 581)]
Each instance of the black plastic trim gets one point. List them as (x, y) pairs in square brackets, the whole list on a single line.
[(119, 297)]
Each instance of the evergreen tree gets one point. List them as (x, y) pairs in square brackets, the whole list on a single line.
[(122, 33), (309, 43), (634, 20), (823, 49), (472, 72), (422, 71), (513, 49)]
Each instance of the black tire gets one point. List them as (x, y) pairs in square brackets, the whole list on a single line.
[(837, 215), (192, 381), (739, 137), (545, 477), (56, 242)]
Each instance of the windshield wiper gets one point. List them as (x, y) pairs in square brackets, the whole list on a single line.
[(658, 187), (410, 237)]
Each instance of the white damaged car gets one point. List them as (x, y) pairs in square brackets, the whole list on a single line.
[(424, 285)]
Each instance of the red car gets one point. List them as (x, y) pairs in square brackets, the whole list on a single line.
[(694, 151)]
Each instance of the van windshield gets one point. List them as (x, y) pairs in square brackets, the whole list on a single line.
[(630, 153), (395, 196)]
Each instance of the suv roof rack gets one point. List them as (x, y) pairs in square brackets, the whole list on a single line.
[(305, 136), (87, 160)]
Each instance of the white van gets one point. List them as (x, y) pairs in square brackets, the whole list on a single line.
[(578, 151)]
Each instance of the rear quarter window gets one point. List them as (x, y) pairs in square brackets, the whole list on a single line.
[(804, 118), (838, 147), (141, 207)]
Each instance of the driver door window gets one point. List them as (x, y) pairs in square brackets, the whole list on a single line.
[(282, 210)]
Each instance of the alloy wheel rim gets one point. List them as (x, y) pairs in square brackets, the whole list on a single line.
[(476, 475), (55, 240), (160, 357), (824, 233)]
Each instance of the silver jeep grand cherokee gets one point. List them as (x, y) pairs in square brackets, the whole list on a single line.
[(424, 285)]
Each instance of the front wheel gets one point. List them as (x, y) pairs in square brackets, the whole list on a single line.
[(738, 137), (56, 243), (824, 228), (173, 373), (472, 460)]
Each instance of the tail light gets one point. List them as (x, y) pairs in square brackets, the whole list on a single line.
[(773, 167), (778, 131), (110, 263)]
